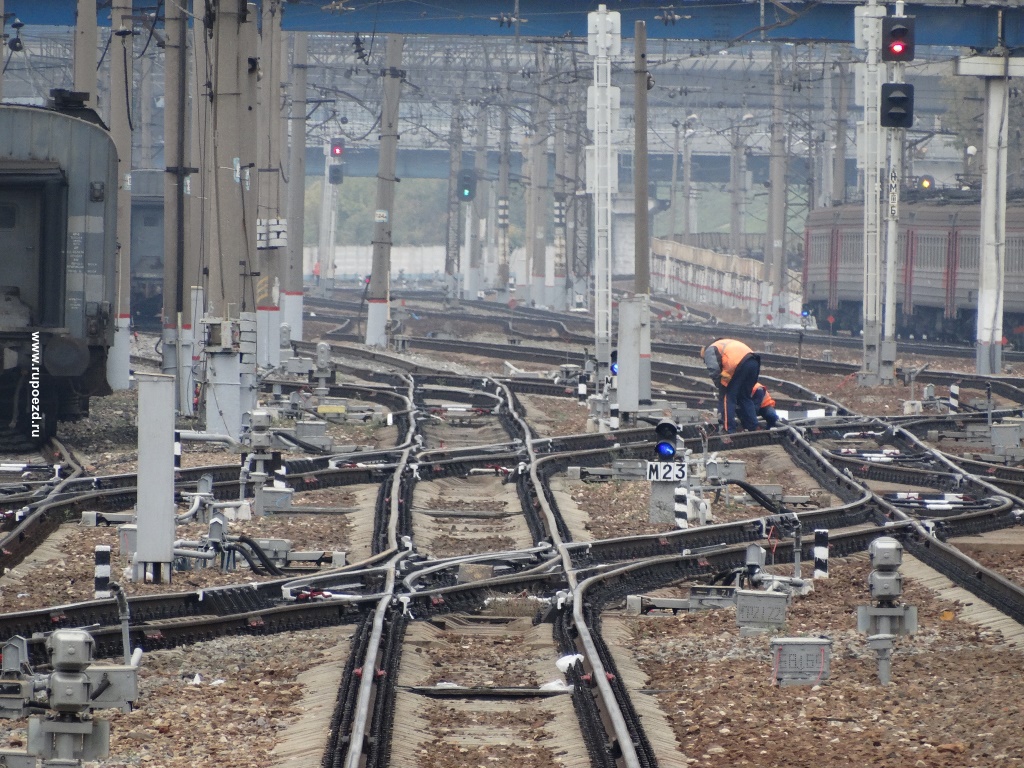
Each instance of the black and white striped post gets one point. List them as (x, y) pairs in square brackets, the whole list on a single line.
[(177, 450), (821, 553), (954, 398), (101, 580)]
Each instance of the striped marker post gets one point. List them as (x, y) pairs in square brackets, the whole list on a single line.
[(177, 450), (101, 581), (821, 553), (954, 398)]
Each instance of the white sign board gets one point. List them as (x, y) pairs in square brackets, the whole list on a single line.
[(666, 471), (380, 217)]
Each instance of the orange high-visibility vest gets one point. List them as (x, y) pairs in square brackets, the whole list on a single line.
[(767, 401), (731, 353)]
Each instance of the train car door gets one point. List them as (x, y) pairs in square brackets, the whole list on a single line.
[(20, 264)]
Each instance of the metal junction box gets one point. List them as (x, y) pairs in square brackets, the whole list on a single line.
[(801, 660)]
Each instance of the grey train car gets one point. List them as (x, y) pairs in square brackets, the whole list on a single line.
[(147, 249), (936, 270), (58, 209)]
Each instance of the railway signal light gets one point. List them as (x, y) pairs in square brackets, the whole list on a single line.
[(614, 362), (897, 108), (667, 432), (337, 147), (335, 174), (898, 38), (926, 182), (467, 184)]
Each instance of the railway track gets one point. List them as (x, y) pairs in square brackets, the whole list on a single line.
[(470, 547)]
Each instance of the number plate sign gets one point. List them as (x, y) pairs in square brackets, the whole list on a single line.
[(666, 471)]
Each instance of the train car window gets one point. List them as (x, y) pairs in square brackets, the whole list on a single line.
[(1014, 256), (820, 243), (852, 249), (931, 251), (8, 216), (969, 250)]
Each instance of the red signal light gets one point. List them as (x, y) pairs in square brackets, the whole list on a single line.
[(897, 48)]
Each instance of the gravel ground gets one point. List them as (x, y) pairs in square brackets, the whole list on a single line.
[(954, 701)]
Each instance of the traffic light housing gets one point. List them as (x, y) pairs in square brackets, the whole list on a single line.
[(467, 184), (897, 107), (613, 365), (898, 38), (337, 147), (667, 432), (335, 174)]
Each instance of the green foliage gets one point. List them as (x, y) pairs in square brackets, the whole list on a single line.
[(418, 218)]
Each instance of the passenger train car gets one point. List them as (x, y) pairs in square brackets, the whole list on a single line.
[(58, 208), (147, 249), (936, 270)]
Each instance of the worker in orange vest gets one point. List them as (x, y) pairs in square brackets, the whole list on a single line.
[(734, 367), (316, 272), (765, 404)]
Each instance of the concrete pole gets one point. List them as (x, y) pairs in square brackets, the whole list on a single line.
[(478, 210), (537, 236), (248, 188), (503, 222), (872, 153), (887, 354), (196, 277), (3, 26), (146, 112), (378, 296), (177, 313), (642, 237), (577, 224), (291, 285), (325, 244), (688, 206), (121, 61), (839, 138), (828, 144), (270, 244), (672, 202), (85, 50), (737, 186), (557, 296), (230, 216), (603, 42), (777, 192), (886, 371), (452, 279), (989, 359)]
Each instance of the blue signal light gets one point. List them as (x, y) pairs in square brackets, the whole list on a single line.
[(666, 450), (667, 432), (615, 369)]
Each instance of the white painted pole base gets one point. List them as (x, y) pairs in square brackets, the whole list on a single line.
[(377, 324), (120, 354), (291, 312), (268, 338)]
